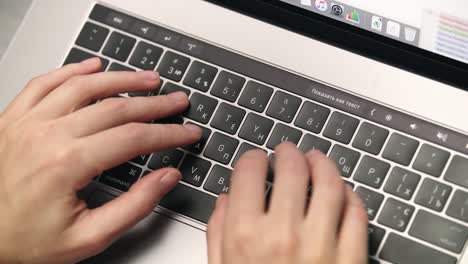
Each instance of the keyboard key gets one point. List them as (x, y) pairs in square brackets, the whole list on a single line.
[(228, 118), (283, 133), (143, 29), (118, 20), (439, 231), (194, 170), (198, 147), (221, 148), (372, 172), (256, 129), (165, 159), (370, 138), (218, 180), (146, 56), (92, 36), (310, 142), (373, 261), (402, 183), (376, 235), (200, 76), (456, 172), (372, 201), (398, 249), (431, 160), (190, 202), (228, 86), (341, 127), (119, 67), (243, 149), (173, 88), (458, 207), (170, 120), (141, 159), (433, 194), (119, 46), (400, 149), (201, 108), (346, 159), (284, 107), (77, 56), (121, 177), (173, 66), (255, 96), (167, 38), (312, 117), (396, 214)]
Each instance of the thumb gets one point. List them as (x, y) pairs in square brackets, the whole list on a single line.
[(214, 233), (96, 229)]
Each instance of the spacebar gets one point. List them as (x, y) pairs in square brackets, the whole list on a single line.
[(190, 202)]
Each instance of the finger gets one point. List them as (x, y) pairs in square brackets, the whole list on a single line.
[(82, 90), (214, 232), (119, 111), (106, 223), (247, 191), (353, 228), (41, 86), (291, 182), (112, 147)]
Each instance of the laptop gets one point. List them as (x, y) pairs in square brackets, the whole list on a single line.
[(381, 87)]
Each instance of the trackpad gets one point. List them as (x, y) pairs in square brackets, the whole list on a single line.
[(157, 239)]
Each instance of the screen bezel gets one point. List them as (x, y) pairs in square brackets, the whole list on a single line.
[(354, 39)]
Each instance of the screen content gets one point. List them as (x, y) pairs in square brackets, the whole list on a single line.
[(440, 26)]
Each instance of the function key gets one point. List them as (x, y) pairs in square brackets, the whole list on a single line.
[(458, 207), (255, 96), (372, 201), (372, 172), (121, 177), (218, 180), (201, 108), (433, 194), (431, 160), (396, 214), (173, 66), (341, 127), (228, 86), (284, 107), (256, 129), (165, 159), (228, 118), (200, 76), (169, 88), (283, 133), (400, 149), (194, 170), (346, 159), (402, 183), (167, 38), (312, 117), (119, 46), (370, 138), (146, 56), (198, 147), (143, 29), (77, 56), (310, 142), (191, 47), (92, 36), (119, 67), (221, 148), (456, 172), (118, 20)]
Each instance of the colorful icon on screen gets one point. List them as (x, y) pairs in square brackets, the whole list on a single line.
[(353, 17), (321, 5), (377, 23)]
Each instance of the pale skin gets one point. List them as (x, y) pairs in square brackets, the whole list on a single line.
[(53, 142)]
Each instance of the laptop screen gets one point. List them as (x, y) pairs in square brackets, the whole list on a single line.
[(439, 26)]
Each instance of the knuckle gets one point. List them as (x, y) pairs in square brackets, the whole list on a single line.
[(136, 130), (36, 81), (285, 245), (241, 239)]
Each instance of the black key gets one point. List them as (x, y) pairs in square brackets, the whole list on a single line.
[(172, 88), (370, 138), (221, 148), (118, 46), (372, 172), (119, 67), (170, 120), (201, 108), (146, 56), (77, 56), (398, 249), (143, 29), (400, 149), (142, 159), (243, 149), (396, 214), (341, 127), (283, 133), (198, 147), (200, 76), (458, 207), (165, 159), (346, 159), (255, 96), (228, 118), (167, 38), (402, 183), (312, 117), (194, 170), (256, 129), (456, 172), (439, 231), (310, 142), (372, 201), (190, 202), (284, 107), (376, 235), (173, 66), (121, 177), (271, 168), (228, 86), (146, 93), (218, 180), (92, 36), (431, 160), (118, 20), (373, 261), (433, 194)]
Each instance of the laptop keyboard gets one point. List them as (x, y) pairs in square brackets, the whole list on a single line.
[(411, 174)]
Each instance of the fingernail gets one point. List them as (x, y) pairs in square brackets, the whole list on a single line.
[(149, 75), (178, 96), (193, 128), (90, 61), (170, 180)]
